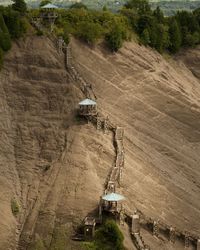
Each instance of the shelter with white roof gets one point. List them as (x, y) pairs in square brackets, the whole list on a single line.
[(49, 14), (87, 107), (111, 200)]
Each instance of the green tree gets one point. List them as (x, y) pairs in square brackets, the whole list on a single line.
[(89, 32), (20, 6), (158, 14), (145, 37), (78, 6), (174, 36), (110, 234), (44, 2), (115, 38), (142, 6), (5, 41), (162, 37)]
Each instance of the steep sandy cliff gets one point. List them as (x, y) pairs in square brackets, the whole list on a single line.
[(54, 165)]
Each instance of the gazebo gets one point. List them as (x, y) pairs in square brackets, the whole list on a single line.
[(87, 107), (48, 13), (111, 201)]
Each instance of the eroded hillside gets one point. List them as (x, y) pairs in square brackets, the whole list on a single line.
[(55, 165)]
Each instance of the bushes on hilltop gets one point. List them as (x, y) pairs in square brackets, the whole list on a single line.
[(163, 33), (92, 26), (12, 26)]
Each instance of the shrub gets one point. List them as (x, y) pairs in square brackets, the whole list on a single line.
[(39, 33), (110, 235), (5, 42), (115, 38), (89, 32)]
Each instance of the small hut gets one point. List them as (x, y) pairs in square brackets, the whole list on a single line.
[(89, 227), (111, 201), (87, 107)]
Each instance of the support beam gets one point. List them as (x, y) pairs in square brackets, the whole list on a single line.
[(198, 244), (172, 235), (135, 227), (155, 228), (98, 123), (187, 241)]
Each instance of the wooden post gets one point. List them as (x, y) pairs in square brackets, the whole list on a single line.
[(187, 241), (155, 228), (198, 244), (98, 123), (106, 125), (100, 210), (135, 227), (172, 235)]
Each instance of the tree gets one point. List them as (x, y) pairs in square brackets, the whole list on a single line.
[(162, 37), (20, 6), (44, 2), (115, 38), (5, 41), (109, 233), (158, 14), (142, 6), (145, 37), (78, 6), (89, 32), (174, 36)]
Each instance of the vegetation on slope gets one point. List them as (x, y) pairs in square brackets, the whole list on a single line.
[(151, 26), (107, 237), (12, 25)]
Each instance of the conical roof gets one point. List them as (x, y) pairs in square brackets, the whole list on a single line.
[(49, 6), (87, 102), (113, 197)]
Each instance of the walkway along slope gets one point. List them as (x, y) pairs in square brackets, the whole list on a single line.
[(156, 226)]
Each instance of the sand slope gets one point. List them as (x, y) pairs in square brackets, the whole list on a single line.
[(55, 165)]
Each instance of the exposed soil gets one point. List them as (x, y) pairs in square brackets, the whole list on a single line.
[(54, 165)]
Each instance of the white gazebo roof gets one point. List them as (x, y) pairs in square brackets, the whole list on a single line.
[(49, 6), (113, 197), (87, 102)]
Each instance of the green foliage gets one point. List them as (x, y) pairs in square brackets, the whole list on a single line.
[(5, 41), (59, 239), (78, 6), (89, 32), (14, 207), (145, 37), (12, 26), (44, 2), (16, 25), (115, 38), (1, 58), (39, 33), (142, 6), (174, 36), (20, 6), (163, 33), (109, 237)]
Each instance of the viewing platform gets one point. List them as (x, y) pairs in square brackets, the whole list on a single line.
[(87, 107)]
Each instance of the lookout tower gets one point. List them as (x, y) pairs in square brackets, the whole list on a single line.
[(48, 14), (87, 107), (111, 201)]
